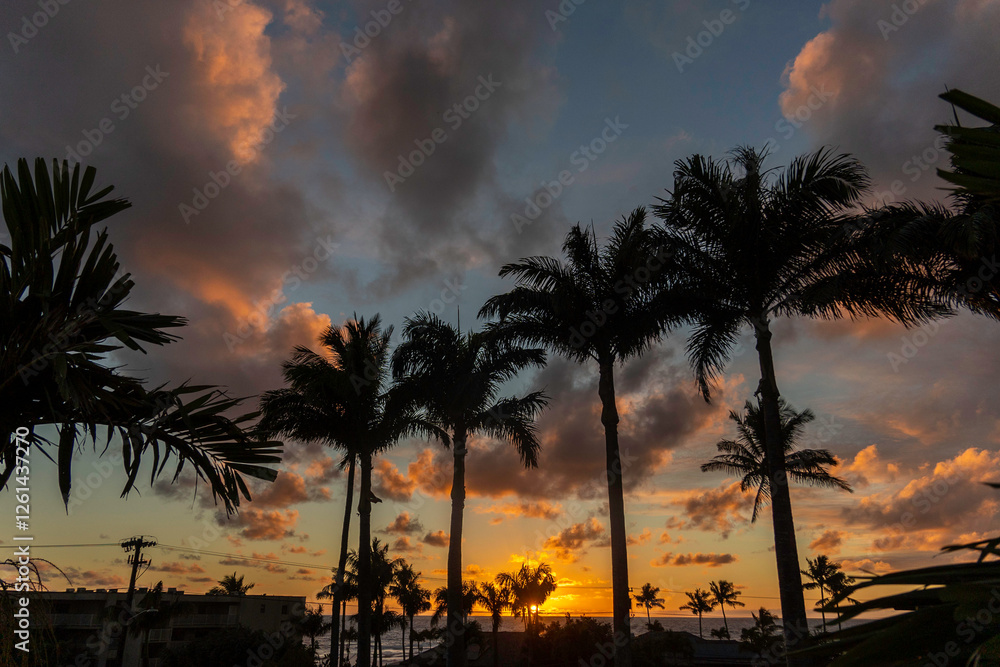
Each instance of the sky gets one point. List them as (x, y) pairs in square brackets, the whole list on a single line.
[(288, 169)]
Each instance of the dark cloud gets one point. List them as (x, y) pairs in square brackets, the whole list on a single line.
[(404, 524), (713, 510), (709, 560), (438, 538), (570, 542)]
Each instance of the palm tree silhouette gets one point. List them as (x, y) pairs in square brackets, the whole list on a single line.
[(648, 599), (467, 600), (723, 594), (495, 599), (232, 585), (343, 400), (597, 306), (746, 456), (529, 588), (820, 570), (410, 595), (748, 244), (839, 584), (62, 293), (456, 380), (312, 625), (381, 573), (699, 602)]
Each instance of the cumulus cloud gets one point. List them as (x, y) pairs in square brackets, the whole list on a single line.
[(404, 524), (388, 482), (853, 85), (708, 560), (714, 510), (829, 542), (256, 524), (438, 538), (569, 543), (642, 538)]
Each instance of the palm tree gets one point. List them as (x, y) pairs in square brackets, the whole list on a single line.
[(746, 456), (762, 635), (839, 585), (467, 600), (456, 380), (381, 573), (343, 400), (820, 571), (410, 595), (748, 244), (495, 599), (699, 602), (232, 585), (648, 599), (62, 293), (598, 306), (346, 591), (529, 588), (724, 593), (312, 625)]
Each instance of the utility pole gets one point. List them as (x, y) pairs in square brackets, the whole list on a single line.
[(137, 544)]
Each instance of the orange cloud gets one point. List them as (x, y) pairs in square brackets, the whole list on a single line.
[(868, 468), (263, 525), (829, 542), (714, 510), (534, 510), (390, 483), (234, 59), (709, 560), (438, 538), (404, 524), (575, 538), (642, 538)]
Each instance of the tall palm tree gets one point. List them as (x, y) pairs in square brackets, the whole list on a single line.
[(344, 400), (232, 585), (456, 380), (495, 599), (723, 594), (749, 244), (820, 571), (62, 293), (746, 456), (700, 602), (597, 306), (529, 588), (410, 595), (649, 598)]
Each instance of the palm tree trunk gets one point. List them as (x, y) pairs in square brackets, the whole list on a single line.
[(622, 633), (365, 563), (793, 606), (822, 603), (648, 622), (701, 633), (496, 658), (343, 628), (341, 563), (455, 630), (411, 637), (724, 621)]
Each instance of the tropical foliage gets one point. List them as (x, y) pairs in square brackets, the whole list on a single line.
[(62, 292)]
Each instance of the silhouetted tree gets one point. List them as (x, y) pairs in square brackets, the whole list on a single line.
[(648, 598), (700, 602)]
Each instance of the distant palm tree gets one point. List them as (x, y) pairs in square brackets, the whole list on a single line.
[(410, 595), (720, 633), (700, 602), (723, 594), (381, 573), (467, 600), (819, 572), (456, 379), (529, 587), (63, 319), (746, 456), (839, 584), (597, 306), (344, 400), (346, 591), (495, 599), (232, 585), (764, 633), (748, 244), (648, 598), (311, 625)]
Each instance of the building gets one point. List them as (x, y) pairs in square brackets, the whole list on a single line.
[(92, 626)]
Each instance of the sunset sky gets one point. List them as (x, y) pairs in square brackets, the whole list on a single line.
[(161, 96)]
